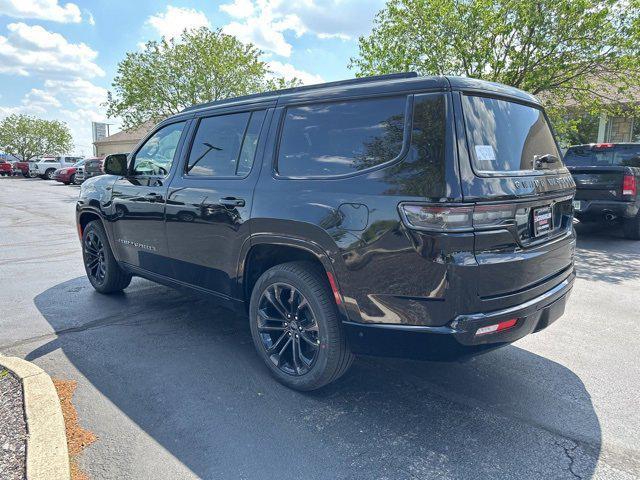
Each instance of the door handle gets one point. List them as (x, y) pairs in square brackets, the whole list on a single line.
[(232, 202), (155, 197)]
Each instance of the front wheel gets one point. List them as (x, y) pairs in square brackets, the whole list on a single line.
[(295, 326), (49, 174), (103, 271), (72, 179), (631, 227)]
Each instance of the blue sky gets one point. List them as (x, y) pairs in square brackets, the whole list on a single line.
[(58, 59)]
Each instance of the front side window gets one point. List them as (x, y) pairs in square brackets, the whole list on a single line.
[(508, 137), (225, 146), (157, 154), (340, 138)]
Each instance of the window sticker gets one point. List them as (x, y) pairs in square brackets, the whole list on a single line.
[(485, 152)]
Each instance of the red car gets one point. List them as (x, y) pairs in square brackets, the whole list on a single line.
[(22, 167), (67, 175), (6, 169)]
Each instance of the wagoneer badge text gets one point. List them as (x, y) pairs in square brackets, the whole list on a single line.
[(129, 243)]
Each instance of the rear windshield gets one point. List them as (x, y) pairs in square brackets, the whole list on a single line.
[(591, 155), (507, 137)]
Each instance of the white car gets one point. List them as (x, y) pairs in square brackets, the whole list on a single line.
[(46, 167)]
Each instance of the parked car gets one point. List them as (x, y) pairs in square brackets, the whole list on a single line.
[(6, 168), (92, 167), (67, 175), (607, 177), (23, 167), (424, 217), (46, 167)]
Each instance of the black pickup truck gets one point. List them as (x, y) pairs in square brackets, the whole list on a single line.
[(607, 176)]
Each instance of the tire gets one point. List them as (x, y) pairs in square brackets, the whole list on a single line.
[(106, 276), (67, 183), (25, 175), (72, 179), (48, 175), (317, 321), (631, 227)]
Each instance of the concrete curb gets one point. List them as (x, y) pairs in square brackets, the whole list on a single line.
[(47, 454)]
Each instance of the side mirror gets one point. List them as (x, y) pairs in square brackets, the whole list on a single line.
[(116, 164)]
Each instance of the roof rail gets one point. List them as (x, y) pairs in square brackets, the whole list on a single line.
[(304, 88)]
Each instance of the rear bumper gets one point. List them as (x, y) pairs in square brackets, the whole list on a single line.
[(595, 210), (458, 339)]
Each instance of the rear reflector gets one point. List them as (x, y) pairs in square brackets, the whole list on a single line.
[(629, 185), (334, 288), (497, 327)]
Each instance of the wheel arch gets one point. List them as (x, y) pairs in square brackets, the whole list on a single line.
[(265, 251)]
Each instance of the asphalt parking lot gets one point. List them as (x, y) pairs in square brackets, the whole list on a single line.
[(173, 389)]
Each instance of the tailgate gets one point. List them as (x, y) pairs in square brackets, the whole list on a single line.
[(598, 183)]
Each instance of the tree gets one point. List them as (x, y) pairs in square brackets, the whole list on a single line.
[(28, 137), (583, 53), (201, 66)]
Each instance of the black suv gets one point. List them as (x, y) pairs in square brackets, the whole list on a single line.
[(607, 176), (425, 217)]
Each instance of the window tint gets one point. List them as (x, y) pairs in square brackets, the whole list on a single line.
[(342, 137), (507, 136), (157, 154), (225, 146)]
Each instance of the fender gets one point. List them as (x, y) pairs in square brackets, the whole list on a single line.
[(288, 241)]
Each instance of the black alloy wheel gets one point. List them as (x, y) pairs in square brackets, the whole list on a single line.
[(94, 257), (288, 329), (296, 328), (103, 271)]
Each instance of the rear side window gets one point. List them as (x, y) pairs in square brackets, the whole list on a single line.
[(508, 137), (340, 138), (225, 146)]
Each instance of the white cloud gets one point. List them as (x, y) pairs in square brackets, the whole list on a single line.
[(174, 20), (261, 33), (90, 20), (41, 10), (238, 9), (288, 71), (32, 50), (265, 23), (40, 98), (77, 102)]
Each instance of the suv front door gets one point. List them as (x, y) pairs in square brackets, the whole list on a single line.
[(138, 201)]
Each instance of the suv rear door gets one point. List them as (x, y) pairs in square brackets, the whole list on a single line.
[(504, 145), (210, 198)]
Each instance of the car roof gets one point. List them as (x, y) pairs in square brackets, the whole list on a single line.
[(367, 86)]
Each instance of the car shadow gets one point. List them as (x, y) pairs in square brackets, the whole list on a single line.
[(184, 370), (603, 254)]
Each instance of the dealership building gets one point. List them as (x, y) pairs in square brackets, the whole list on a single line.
[(121, 142)]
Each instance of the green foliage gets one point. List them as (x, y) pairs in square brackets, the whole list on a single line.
[(201, 66), (580, 54), (27, 137)]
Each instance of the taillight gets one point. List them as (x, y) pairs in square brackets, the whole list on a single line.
[(438, 218), (604, 145), (629, 185), (457, 218)]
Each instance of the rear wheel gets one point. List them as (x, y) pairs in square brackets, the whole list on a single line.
[(295, 326), (103, 271), (49, 173), (631, 227)]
